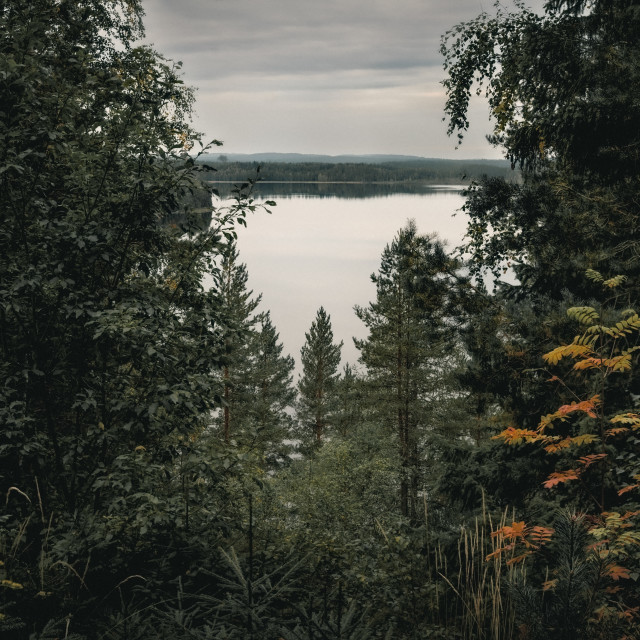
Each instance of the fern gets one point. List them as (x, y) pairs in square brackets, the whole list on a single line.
[(344, 624), (55, 629)]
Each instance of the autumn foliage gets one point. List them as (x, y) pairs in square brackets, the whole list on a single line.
[(613, 533)]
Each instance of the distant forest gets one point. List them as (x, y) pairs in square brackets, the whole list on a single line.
[(424, 171)]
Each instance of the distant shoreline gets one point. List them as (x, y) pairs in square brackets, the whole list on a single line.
[(453, 185), (408, 173)]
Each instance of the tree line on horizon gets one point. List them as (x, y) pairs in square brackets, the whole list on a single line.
[(425, 172), (475, 475)]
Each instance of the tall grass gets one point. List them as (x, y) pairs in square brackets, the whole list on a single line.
[(471, 597)]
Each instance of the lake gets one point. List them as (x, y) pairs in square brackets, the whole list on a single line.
[(320, 249)]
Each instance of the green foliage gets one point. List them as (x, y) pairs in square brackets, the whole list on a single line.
[(573, 599), (350, 400), (109, 341), (575, 211), (560, 86), (255, 381), (233, 295)]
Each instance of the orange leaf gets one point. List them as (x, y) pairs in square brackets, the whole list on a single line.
[(588, 406), (588, 363), (616, 431), (557, 446), (594, 457), (628, 488), (494, 554), (558, 477), (517, 559), (629, 613), (511, 435), (541, 535), (514, 530), (616, 572)]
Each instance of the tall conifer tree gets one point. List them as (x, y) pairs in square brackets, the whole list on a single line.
[(237, 300), (266, 393), (408, 339), (320, 359), (256, 379)]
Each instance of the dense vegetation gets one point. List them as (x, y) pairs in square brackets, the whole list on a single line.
[(476, 476)]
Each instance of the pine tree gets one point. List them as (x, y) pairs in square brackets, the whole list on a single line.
[(320, 359), (350, 405), (240, 306), (409, 337), (265, 394)]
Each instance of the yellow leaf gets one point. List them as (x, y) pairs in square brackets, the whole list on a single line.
[(585, 438), (573, 350), (614, 282), (627, 418), (11, 585)]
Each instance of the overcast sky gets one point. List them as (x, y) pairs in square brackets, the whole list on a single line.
[(329, 76)]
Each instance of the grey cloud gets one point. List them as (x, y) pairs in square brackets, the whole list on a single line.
[(235, 36), (291, 58)]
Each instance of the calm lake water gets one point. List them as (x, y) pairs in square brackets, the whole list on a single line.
[(321, 249)]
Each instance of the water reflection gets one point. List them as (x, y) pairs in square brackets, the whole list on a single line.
[(345, 190)]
